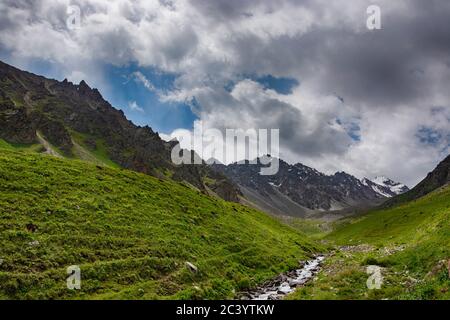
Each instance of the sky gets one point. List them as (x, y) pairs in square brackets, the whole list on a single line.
[(345, 98)]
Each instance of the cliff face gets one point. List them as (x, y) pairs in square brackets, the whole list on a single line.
[(60, 111)]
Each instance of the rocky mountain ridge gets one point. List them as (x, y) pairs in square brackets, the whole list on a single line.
[(71, 117), (437, 178), (300, 190)]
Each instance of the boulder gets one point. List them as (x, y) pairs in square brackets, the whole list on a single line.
[(191, 267)]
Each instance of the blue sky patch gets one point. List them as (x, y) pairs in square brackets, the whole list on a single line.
[(126, 88), (352, 128), (429, 136), (280, 85)]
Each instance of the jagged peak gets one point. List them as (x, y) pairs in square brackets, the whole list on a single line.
[(343, 174), (67, 83), (83, 84)]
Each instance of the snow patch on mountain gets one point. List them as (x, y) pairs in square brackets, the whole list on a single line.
[(395, 187), (385, 186)]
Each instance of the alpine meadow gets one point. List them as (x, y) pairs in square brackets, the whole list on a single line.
[(248, 155)]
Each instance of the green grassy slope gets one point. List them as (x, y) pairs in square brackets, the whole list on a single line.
[(414, 224), (411, 242), (130, 233), (21, 147), (82, 152)]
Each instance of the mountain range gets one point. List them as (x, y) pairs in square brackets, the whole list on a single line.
[(299, 190), (74, 121)]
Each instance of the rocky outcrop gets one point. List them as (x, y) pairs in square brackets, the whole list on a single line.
[(56, 133), (15, 126), (437, 178), (222, 186)]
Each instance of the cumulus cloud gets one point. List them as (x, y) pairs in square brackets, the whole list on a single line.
[(369, 101)]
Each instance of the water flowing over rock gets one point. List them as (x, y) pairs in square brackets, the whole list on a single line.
[(285, 283)]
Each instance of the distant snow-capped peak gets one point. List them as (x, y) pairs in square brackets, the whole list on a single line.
[(385, 186), (395, 187)]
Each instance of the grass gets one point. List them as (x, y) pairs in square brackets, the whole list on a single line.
[(314, 228), (97, 155), (411, 242), (21, 147), (131, 234)]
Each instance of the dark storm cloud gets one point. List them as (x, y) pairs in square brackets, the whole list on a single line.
[(376, 68), (385, 67)]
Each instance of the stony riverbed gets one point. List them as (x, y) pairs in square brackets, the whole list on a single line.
[(285, 283)]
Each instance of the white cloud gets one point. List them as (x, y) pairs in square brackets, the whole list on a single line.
[(390, 79), (134, 106)]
